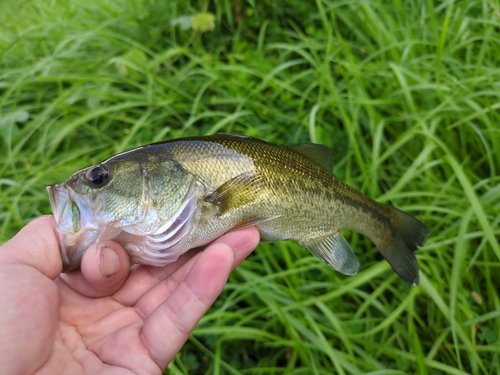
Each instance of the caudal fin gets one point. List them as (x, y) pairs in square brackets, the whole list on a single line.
[(399, 247)]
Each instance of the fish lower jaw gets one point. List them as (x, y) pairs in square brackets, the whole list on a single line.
[(73, 246)]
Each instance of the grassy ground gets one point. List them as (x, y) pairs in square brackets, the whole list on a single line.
[(405, 92)]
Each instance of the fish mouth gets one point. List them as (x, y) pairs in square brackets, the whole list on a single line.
[(58, 193), (74, 224)]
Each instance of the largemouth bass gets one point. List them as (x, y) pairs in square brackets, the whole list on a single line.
[(160, 200)]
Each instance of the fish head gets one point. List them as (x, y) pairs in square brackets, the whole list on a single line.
[(120, 198)]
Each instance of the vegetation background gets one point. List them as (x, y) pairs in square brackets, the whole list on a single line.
[(405, 92)]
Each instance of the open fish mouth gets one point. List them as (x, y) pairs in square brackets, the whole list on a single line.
[(75, 224), (58, 195)]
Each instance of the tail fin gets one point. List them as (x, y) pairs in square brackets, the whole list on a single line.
[(399, 247)]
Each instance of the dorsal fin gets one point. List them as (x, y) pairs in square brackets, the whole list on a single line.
[(319, 154)]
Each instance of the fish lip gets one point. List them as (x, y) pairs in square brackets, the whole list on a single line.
[(52, 190), (55, 191)]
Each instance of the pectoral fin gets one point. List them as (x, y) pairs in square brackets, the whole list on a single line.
[(237, 192), (254, 221), (335, 252)]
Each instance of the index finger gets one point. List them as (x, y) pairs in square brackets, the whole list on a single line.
[(143, 279)]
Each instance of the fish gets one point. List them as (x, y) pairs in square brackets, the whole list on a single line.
[(160, 200)]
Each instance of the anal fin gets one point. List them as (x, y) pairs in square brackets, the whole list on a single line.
[(335, 252)]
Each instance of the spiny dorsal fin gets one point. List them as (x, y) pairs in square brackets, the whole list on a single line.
[(237, 192), (320, 154), (335, 252)]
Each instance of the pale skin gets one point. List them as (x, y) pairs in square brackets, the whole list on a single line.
[(104, 318)]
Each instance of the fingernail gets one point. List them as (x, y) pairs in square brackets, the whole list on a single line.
[(109, 261)]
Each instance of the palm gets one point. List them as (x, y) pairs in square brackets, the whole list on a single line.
[(100, 335), (133, 322)]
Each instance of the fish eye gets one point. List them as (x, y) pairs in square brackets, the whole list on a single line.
[(97, 177)]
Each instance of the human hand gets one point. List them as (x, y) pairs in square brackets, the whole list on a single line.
[(129, 322)]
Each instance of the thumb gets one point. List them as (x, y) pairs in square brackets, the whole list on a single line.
[(104, 269), (36, 245)]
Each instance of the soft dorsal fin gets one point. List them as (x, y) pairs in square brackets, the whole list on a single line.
[(320, 154)]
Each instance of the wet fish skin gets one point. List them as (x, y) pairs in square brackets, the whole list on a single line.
[(228, 181)]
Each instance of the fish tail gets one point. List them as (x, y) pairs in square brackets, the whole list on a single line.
[(400, 242)]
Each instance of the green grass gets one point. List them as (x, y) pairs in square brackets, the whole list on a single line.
[(406, 94)]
